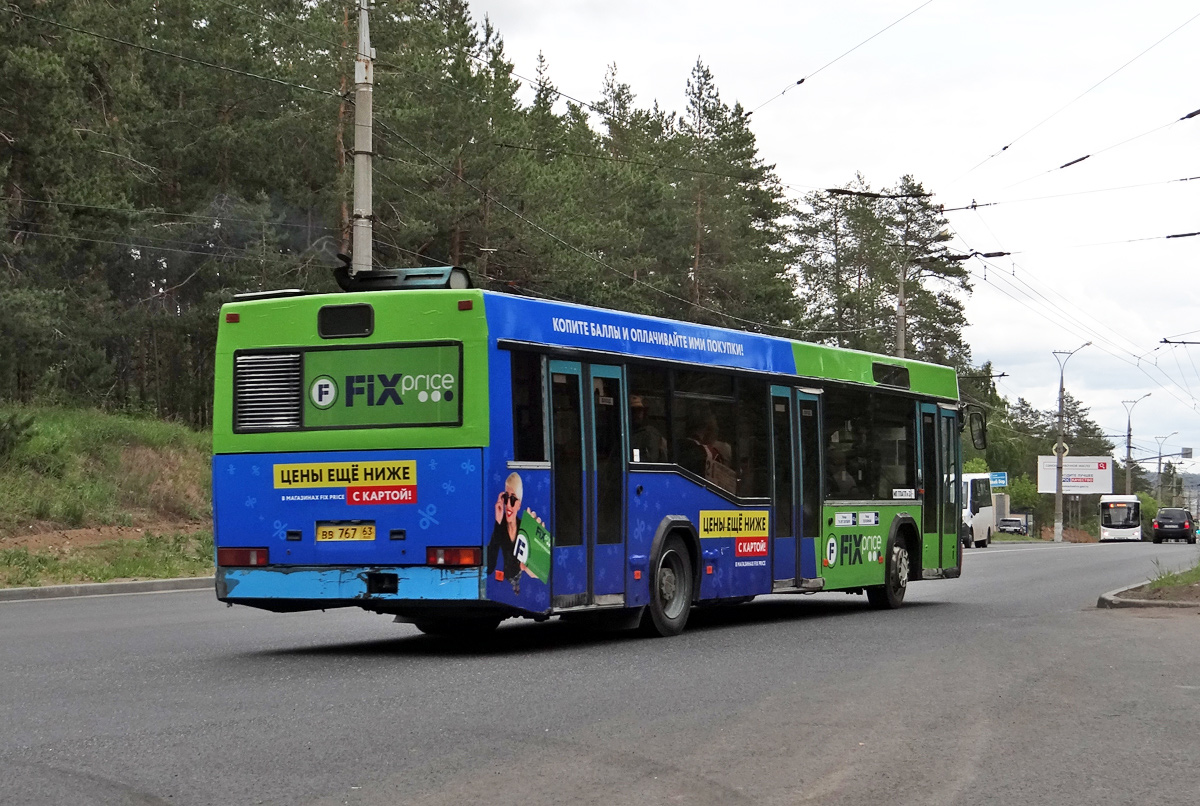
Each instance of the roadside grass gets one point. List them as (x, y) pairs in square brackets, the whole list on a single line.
[(152, 556), (77, 467), (1174, 579)]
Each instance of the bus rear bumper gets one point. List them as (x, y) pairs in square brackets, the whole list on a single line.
[(309, 588)]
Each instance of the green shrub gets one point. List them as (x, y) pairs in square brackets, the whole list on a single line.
[(15, 431)]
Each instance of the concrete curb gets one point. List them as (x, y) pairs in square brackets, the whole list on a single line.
[(1112, 599), (105, 589)]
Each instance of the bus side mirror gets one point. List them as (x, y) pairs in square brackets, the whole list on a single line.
[(978, 430)]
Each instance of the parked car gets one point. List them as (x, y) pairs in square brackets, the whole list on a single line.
[(1173, 523), (1012, 526)]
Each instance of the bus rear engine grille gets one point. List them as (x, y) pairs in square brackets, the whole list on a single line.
[(266, 392)]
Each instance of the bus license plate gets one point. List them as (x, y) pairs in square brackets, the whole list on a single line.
[(335, 532)]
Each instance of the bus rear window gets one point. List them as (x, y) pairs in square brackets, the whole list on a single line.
[(368, 387), (345, 321)]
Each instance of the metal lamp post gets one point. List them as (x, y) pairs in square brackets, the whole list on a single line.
[(1129, 404), (1062, 356)]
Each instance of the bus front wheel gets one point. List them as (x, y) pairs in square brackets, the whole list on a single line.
[(890, 594), (670, 589)]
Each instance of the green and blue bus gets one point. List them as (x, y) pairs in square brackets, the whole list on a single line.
[(455, 457)]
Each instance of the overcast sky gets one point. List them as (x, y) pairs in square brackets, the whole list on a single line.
[(936, 96)]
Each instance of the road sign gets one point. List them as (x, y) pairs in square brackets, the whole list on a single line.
[(1000, 479)]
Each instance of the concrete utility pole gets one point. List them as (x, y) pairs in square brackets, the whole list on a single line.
[(1129, 404), (363, 146), (1062, 356), (1160, 441)]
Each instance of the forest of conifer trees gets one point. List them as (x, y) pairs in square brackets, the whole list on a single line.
[(156, 160)]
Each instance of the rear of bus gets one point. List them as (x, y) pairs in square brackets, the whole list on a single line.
[(348, 435)]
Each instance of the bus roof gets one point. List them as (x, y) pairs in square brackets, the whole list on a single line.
[(515, 320), (541, 322)]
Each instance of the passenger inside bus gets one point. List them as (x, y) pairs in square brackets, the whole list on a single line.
[(841, 482), (694, 453), (703, 452), (647, 442)]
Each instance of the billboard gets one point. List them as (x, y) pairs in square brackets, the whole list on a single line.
[(1082, 475)]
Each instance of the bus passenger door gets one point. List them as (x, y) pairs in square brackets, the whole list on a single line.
[(607, 485), (809, 430), (783, 529), (587, 466), (951, 488), (931, 488)]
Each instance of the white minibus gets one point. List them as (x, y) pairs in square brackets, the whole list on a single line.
[(978, 515), (1120, 517)]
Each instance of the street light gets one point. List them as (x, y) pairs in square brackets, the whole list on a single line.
[(1062, 356), (901, 311), (1160, 441), (1129, 404)]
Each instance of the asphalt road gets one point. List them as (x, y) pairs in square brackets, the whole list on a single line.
[(1005, 687)]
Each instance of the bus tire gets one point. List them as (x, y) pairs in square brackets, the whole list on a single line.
[(670, 589), (890, 595), (449, 627), (987, 540), (968, 538)]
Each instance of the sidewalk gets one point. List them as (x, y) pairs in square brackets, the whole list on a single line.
[(105, 588)]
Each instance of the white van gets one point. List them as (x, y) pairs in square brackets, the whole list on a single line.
[(978, 515)]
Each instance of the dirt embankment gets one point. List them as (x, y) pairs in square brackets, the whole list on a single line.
[(42, 538), (1171, 593), (1069, 535)]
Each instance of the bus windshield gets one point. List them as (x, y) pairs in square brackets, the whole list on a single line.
[(1117, 515)]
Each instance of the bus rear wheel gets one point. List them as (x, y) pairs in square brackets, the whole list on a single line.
[(890, 595), (670, 589)]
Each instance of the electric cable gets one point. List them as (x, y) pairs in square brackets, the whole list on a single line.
[(977, 205), (1082, 94), (635, 280), (1088, 156), (839, 58), (142, 211), (180, 57)]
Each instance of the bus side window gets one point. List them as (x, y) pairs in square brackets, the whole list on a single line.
[(753, 444), (648, 415), (529, 422)]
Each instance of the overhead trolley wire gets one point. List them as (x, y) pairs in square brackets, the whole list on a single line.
[(1055, 316), (839, 58), (1078, 160), (635, 280), (136, 211), (1056, 313), (974, 205), (1082, 94), (21, 14)]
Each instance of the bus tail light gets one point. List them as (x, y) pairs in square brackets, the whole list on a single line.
[(241, 557), (453, 556)]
